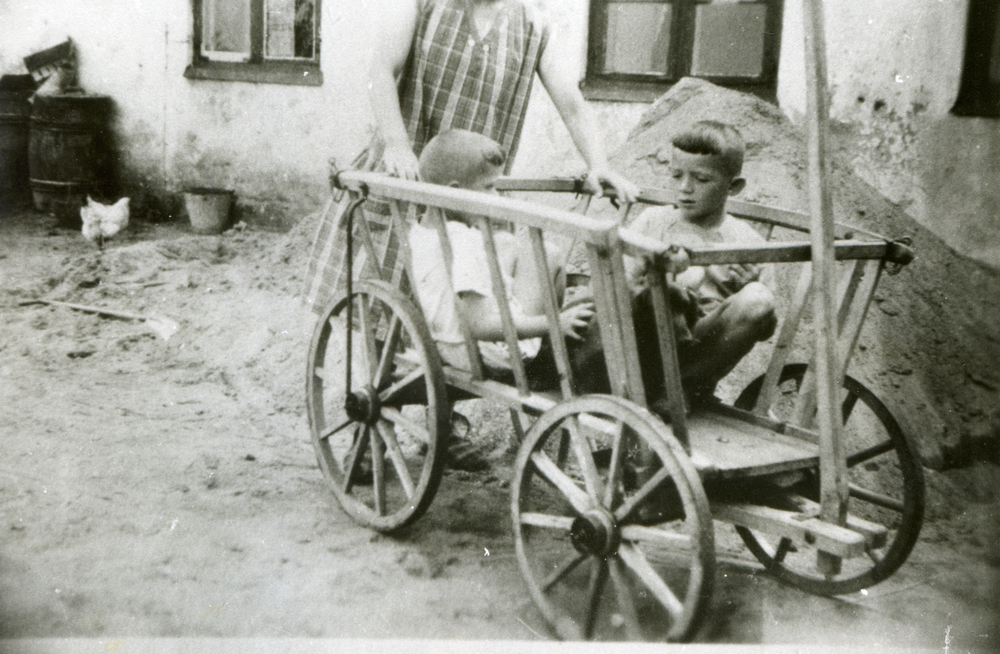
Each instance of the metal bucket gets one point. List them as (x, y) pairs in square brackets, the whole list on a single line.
[(208, 209), (69, 154)]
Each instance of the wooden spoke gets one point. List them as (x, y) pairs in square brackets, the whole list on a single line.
[(598, 577), (378, 472), (548, 469), (616, 569), (389, 394), (562, 570), (388, 436), (413, 428), (319, 372), (878, 499), (869, 453), (635, 560), (355, 457), (615, 467), (368, 334), (874, 556), (660, 538), (784, 546), (586, 459), (388, 352), (623, 511), (546, 521), (848, 407), (330, 432)]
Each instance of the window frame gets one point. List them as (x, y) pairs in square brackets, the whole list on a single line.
[(599, 85), (299, 72), (977, 95)]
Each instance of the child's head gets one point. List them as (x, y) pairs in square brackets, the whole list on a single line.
[(462, 159), (706, 162)]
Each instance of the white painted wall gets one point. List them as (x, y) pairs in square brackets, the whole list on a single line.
[(894, 71), (268, 142)]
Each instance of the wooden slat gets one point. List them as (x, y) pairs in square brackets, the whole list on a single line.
[(591, 230), (668, 353), (783, 345), (471, 346), (756, 212), (853, 314), (832, 474), (739, 448), (825, 536), (623, 298), (500, 296), (787, 252), (876, 535), (545, 281), (607, 316)]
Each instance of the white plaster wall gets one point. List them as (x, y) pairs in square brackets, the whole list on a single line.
[(269, 142), (894, 71), (904, 53)]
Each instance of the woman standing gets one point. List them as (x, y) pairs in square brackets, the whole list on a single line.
[(467, 64)]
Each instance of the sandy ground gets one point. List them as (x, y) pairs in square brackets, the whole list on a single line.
[(154, 488)]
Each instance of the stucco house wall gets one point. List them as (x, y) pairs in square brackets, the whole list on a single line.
[(894, 71)]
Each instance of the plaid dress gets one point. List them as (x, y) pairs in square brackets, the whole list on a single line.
[(453, 79)]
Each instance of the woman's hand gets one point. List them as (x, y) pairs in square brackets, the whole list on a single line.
[(400, 162), (576, 318)]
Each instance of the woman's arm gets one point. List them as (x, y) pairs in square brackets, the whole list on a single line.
[(397, 24), (558, 77)]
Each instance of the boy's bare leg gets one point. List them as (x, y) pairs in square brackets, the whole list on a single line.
[(726, 335)]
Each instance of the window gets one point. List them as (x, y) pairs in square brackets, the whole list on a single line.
[(979, 94), (274, 41), (638, 48)]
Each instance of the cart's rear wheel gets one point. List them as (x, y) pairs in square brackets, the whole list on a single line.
[(378, 429), (617, 545), (886, 487)]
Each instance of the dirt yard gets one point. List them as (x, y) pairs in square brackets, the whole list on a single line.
[(154, 488)]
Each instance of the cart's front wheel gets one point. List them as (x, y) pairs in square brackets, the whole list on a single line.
[(615, 541), (377, 406), (886, 485)]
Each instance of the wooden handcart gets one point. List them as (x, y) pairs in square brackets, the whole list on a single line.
[(612, 522)]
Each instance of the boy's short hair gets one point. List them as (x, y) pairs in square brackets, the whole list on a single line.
[(458, 155), (715, 138)]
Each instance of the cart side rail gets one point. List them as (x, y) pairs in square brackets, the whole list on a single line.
[(407, 200), (760, 213)]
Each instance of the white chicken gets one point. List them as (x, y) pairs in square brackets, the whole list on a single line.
[(101, 221)]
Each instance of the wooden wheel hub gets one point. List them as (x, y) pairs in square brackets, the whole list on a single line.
[(595, 532), (362, 405)]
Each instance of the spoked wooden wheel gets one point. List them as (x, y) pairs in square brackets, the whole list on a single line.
[(613, 547), (886, 487), (377, 411)]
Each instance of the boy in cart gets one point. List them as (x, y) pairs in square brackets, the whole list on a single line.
[(728, 308), (464, 159)]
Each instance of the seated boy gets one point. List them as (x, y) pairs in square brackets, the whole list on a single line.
[(729, 309), (464, 159)]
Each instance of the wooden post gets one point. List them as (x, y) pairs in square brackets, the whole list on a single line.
[(833, 481)]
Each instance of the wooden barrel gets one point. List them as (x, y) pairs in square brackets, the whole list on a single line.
[(69, 152), (14, 112)]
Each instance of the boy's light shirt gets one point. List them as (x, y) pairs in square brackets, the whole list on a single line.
[(470, 272), (668, 225)]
